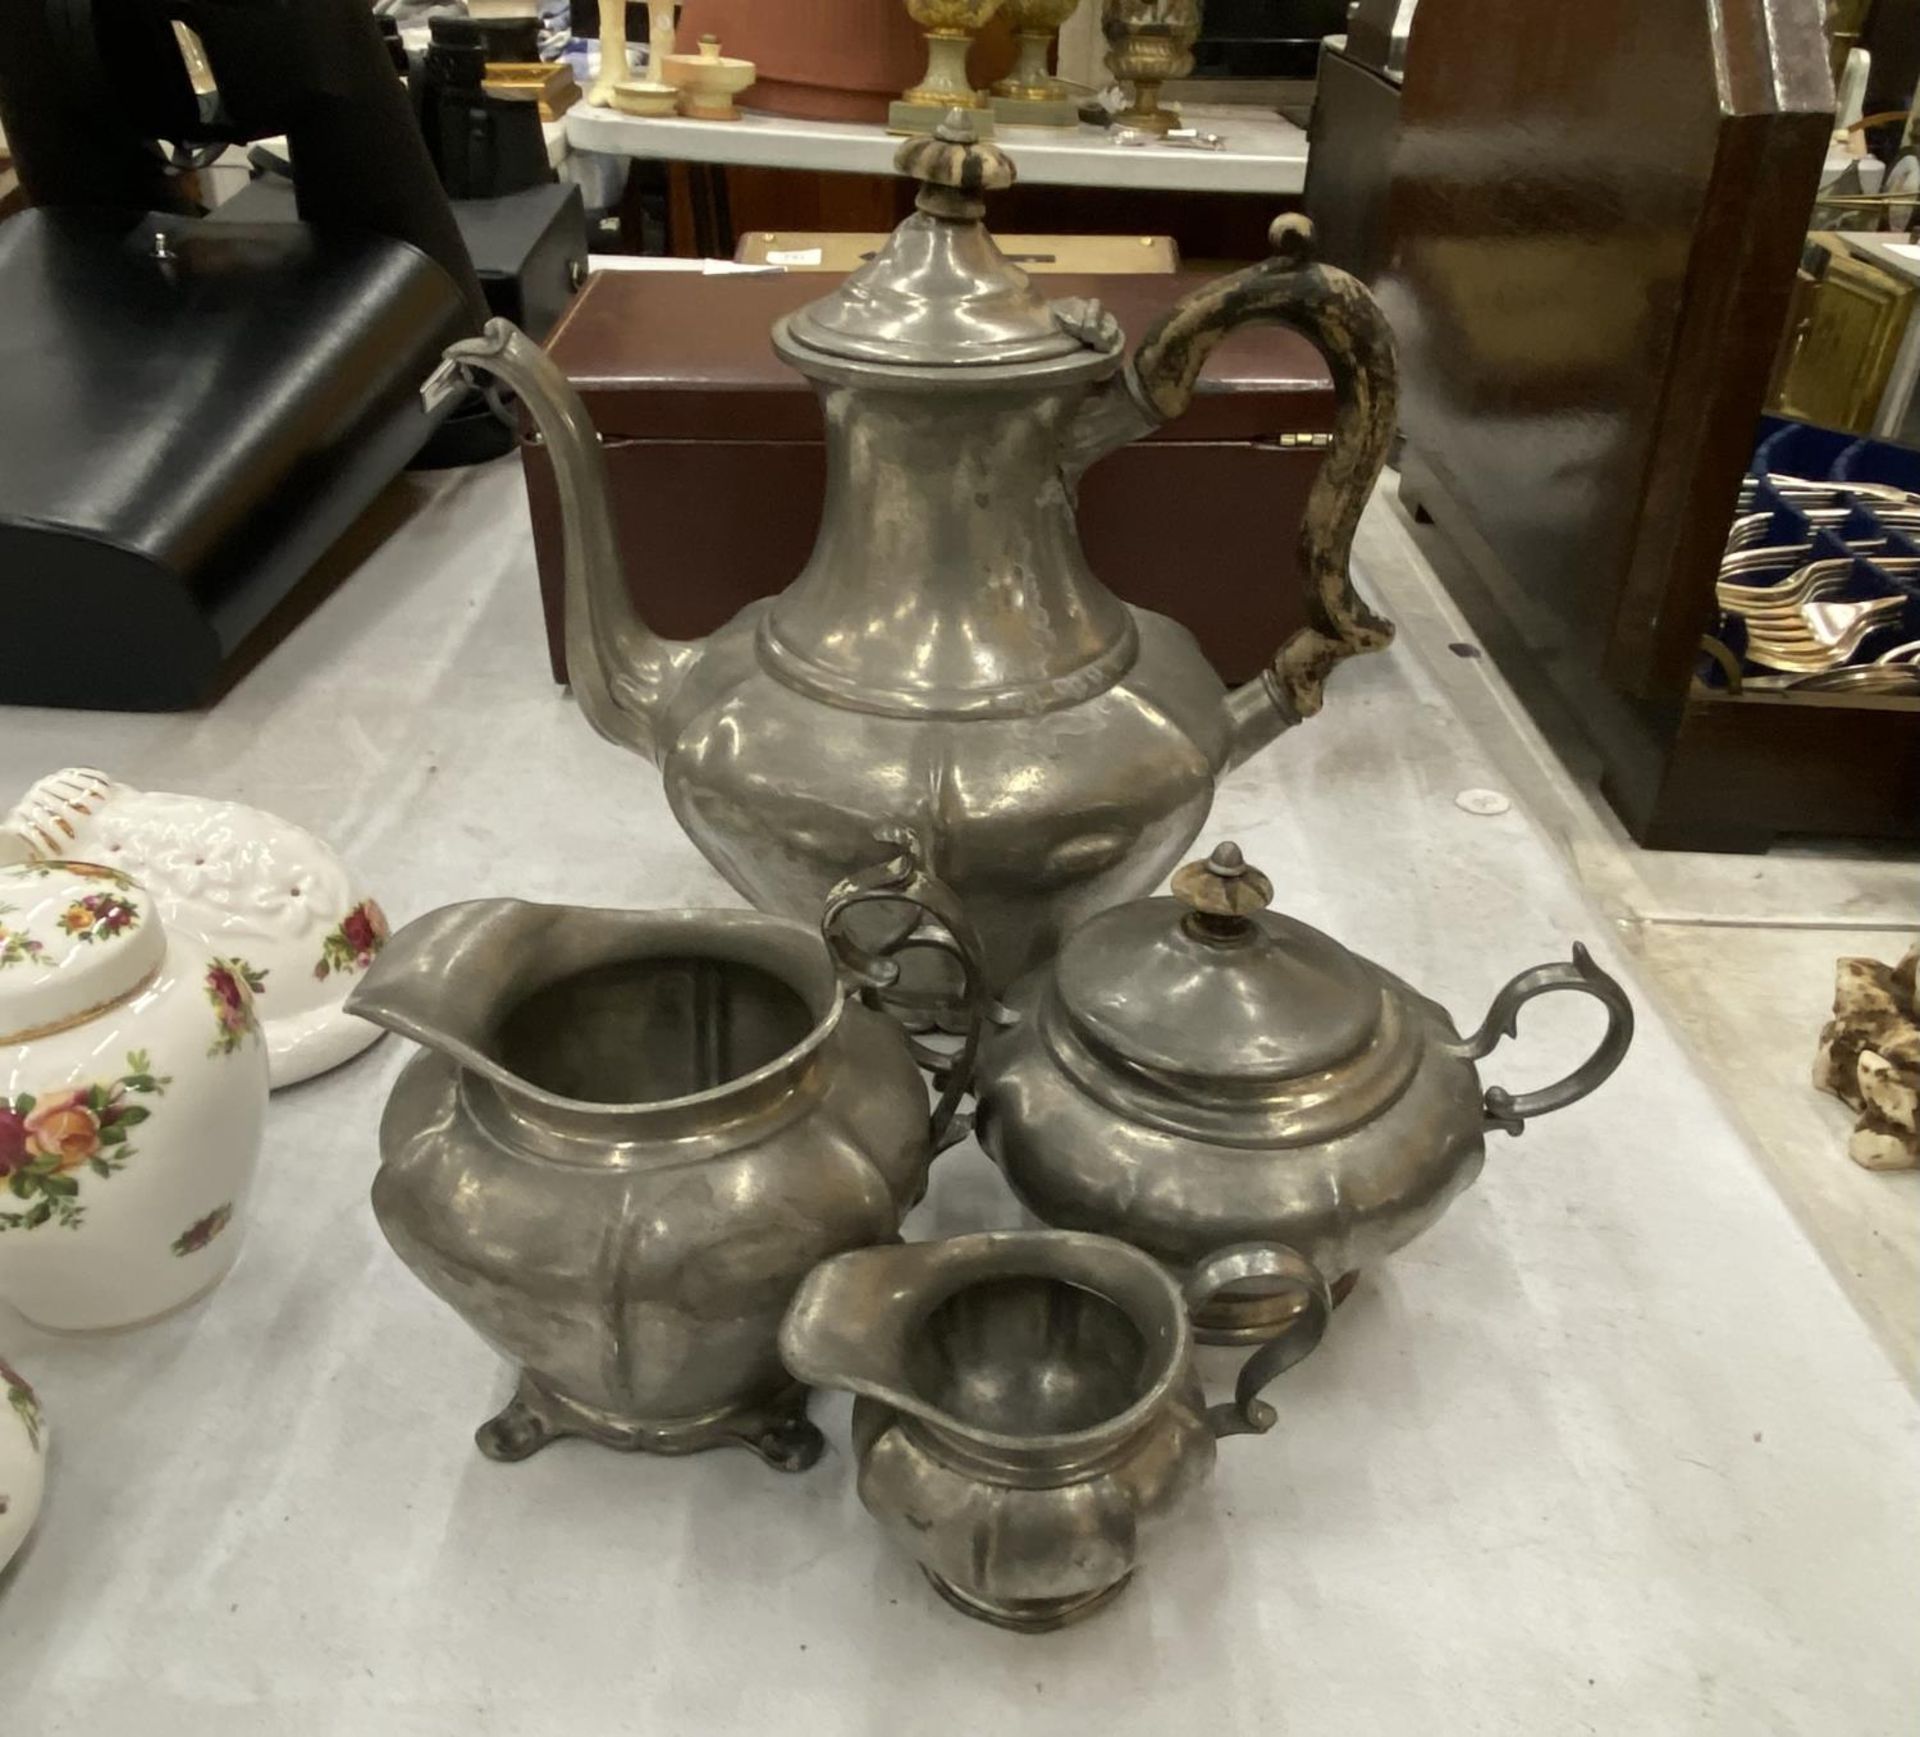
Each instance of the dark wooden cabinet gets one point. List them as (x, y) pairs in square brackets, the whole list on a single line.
[(1586, 236)]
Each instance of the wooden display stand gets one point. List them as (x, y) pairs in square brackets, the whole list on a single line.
[(1591, 226)]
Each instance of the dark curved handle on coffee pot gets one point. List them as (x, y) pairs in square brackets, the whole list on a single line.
[(945, 928), (1247, 1413), (1335, 312), (1503, 1108)]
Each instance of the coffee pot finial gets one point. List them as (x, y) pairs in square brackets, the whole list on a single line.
[(954, 168)]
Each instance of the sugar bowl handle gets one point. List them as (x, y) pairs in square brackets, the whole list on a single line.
[(944, 927), (1509, 1111), (1247, 1413)]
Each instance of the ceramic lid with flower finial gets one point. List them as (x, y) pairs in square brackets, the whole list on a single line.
[(75, 940)]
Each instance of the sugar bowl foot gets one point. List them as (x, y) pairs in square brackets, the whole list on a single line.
[(1028, 1615)]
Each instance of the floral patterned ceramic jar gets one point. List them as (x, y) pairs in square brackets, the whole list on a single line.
[(133, 1090), (23, 1455)]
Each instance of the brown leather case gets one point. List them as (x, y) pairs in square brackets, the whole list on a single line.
[(715, 451)]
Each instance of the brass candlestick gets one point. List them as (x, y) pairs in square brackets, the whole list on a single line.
[(1149, 42), (950, 27), (1030, 96)]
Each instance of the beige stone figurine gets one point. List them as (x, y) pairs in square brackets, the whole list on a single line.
[(1870, 1059)]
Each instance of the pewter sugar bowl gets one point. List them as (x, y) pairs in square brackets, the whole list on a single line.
[(631, 1134), (946, 663), (1028, 1406), (1199, 1071)]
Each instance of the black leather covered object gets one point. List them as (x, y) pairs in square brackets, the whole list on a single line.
[(190, 411), (184, 427)]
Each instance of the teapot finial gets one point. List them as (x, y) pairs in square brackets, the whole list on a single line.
[(1227, 860), (1222, 893)]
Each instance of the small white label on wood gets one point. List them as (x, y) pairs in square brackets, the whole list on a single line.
[(793, 256)]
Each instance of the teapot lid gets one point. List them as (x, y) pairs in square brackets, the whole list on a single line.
[(1211, 985), (75, 938), (941, 293)]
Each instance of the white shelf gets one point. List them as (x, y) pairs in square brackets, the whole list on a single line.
[(1262, 153)]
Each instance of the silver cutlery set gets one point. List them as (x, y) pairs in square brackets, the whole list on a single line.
[(1831, 604)]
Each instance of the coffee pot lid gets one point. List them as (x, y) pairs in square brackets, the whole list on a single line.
[(1211, 985), (940, 293), (75, 938)]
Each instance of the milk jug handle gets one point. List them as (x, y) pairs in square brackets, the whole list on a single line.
[(945, 928), (1247, 1413)]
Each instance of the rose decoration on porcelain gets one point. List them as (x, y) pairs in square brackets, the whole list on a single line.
[(203, 1230), (16, 947), (98, 917), (24, 1403), (23, 1447), (231, 986), (352, 946), (46, 1137)]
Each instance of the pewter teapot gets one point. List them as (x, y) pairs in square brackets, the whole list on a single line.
[(946, 663), (1198, 1072)]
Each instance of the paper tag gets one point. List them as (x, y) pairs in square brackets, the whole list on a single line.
[(793, 256)]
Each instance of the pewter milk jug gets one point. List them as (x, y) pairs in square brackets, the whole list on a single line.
[(1028, 1407), (630, 1135)]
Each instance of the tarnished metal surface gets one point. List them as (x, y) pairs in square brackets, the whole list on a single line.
[(630, 1136), (1028, 1404), (946, 665), (1198, 1071)]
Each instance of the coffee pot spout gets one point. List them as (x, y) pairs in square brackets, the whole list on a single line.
[(623, 674)]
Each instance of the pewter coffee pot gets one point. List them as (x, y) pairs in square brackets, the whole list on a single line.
[(946, 663), (1199, 1071)]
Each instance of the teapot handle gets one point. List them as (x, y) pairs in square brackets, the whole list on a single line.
[(1510, 1112), (943, 926), (1247, 1413), (1342, 320)]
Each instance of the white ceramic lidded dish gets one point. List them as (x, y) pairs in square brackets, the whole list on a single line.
[(235, 878), (133, 1093)]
